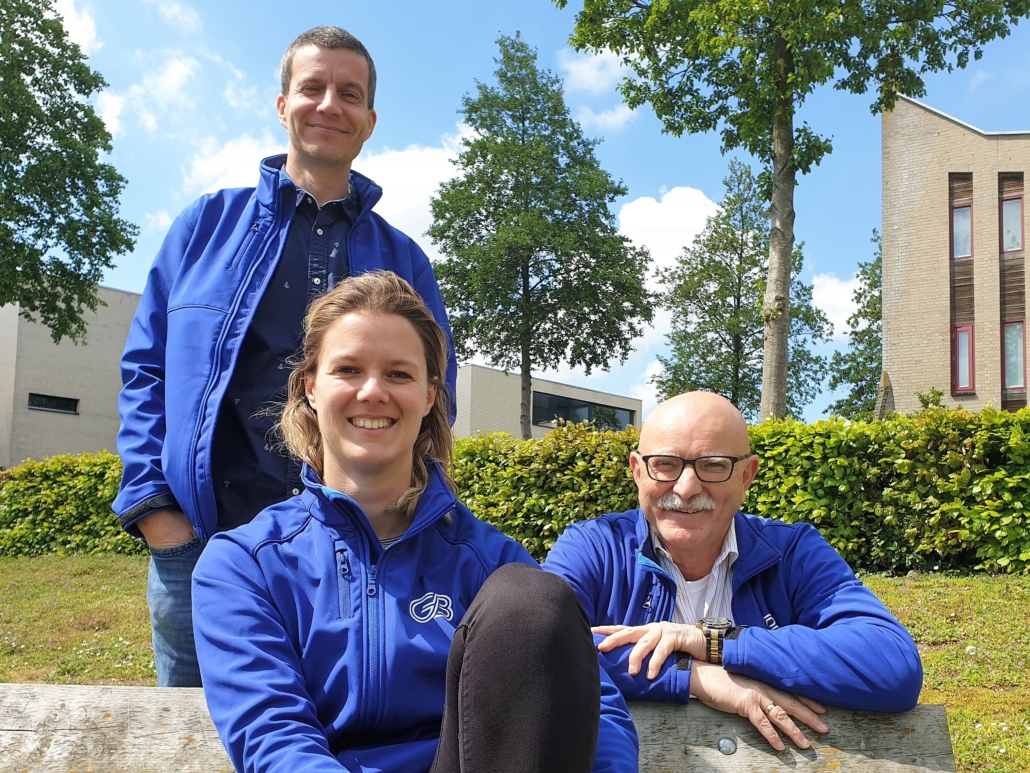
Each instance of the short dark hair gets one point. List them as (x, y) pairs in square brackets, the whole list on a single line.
[(327, 37)]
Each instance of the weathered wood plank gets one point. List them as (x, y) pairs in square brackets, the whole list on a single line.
[(684, 739), (80, 729)]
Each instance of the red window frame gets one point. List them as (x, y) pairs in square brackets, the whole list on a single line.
[(971, 388), (1001, 225), (1004, 379), (951, 231)]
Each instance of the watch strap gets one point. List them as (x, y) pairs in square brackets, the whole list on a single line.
[(160, 502)]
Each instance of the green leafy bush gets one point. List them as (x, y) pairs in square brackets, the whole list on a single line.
[(942, 488), (62, 505)]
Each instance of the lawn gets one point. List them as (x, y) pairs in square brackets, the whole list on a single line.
[(83, 619)]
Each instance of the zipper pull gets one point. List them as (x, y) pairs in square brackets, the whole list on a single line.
[(344, 566), (647, 601), (371, 590)]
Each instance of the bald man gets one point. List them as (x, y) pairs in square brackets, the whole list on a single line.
[(690, 597)]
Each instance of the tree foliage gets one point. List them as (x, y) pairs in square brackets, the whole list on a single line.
[(858, 369), (715, 293), (59, 224), (745, 67), (536, 273)]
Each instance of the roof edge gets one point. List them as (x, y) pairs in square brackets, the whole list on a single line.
[(963, 124)]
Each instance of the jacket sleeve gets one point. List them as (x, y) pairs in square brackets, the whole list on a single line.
[(618, 750), (141, 403), (425, 285), (253, 680), (844, 648), (588, 567)]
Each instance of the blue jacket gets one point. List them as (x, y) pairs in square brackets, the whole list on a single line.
[(815, 630), (318, 649), (203, 288)]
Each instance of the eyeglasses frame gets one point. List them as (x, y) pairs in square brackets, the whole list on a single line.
[(691, 462)]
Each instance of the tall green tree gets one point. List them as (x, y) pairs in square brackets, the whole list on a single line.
[(715, 293), (745, 67), (858, 369), (536, 272), (59, 224)]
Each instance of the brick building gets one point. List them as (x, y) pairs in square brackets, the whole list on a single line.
[(954, 300)]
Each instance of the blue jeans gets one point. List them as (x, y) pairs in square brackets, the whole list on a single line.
[(169, 596)]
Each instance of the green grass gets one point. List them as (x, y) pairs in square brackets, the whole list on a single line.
[(83, 619)]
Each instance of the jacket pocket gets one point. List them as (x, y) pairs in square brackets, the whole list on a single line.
[(344, 578), (248, 240)]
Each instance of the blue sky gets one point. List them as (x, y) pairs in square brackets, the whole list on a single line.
[(191, 105)]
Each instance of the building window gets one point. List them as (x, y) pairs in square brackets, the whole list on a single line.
[(963, 375), (1012, 224), (547, 408), (51, 403), (1014, 365), (962, 231)]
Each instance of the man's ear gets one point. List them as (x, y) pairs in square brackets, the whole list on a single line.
[(636, 463), (750, 471), (280, 106)]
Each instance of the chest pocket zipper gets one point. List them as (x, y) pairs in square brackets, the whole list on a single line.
[(248, 240), (344, 580)]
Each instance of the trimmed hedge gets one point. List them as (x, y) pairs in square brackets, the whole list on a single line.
[(63, 505), (945, 488)]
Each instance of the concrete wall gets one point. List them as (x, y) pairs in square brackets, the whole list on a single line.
[(8, 354), (88, 372), (921, 147), (490, 400)]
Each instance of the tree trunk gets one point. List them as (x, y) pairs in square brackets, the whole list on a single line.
[(527, 395), (776, 307)]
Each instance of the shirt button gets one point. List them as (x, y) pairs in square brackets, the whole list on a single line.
[(317, 281), (319, 231), (296, 491), (310, 201)]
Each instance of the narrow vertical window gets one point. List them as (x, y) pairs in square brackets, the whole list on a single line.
[(1014, 361), (962, 360), (1012, 225), (962, 231)]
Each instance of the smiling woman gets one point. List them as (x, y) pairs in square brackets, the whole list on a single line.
[(367, 622)]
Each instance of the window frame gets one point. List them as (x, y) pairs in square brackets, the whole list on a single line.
[(32, 407), (1004, 372), (951, 231), (955, 388), (1001, 225)]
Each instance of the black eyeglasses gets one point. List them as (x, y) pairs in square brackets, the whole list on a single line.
[(710, 469)]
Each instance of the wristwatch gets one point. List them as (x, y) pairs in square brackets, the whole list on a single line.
[(715, 630)]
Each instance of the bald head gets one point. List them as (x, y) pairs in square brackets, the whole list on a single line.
[(702, 416)]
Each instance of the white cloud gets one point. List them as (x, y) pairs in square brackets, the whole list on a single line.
[(606, 120), (109, 107), (80, 26), (177, 14), (237, 94), (409, 178), (645, 391), (164, 85), (665, 227), (232, 164), (834, 297), (978, 79), (158, 222), (594, 74)]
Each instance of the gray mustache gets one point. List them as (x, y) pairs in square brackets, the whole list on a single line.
[(673, 501)]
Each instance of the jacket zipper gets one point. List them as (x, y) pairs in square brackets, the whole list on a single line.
[(372, 704), (343, 571), (247, 241)]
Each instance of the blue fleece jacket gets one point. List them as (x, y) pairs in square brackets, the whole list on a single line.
[(321, 651), (201, 294), (815, 630)]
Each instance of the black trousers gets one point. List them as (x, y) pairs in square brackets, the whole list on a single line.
[(523, 687)]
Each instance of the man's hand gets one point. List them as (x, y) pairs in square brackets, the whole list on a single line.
[(166, 528), (732, 693), (659, 639)]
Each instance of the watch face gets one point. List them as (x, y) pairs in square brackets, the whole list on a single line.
[(716, 622)]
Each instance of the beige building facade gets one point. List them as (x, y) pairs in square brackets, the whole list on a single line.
[(954, 261), (62, 398), (490, 400)]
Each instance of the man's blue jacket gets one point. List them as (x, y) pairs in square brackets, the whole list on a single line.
[(815, 630), (321, 651), (202, 291)]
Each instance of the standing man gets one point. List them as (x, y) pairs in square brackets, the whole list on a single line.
[(208, 352), (751, 616)]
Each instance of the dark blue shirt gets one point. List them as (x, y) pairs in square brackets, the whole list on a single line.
[(248, 471)]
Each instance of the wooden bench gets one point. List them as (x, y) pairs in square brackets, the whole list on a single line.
[(75, 729)]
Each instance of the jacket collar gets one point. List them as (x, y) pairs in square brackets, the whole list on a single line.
[(754, 552), (269, 186), (328, 504)]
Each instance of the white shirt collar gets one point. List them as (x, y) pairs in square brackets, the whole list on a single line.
[(728, 553)]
